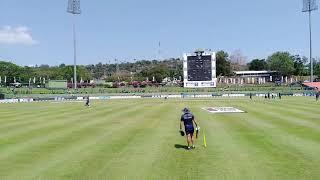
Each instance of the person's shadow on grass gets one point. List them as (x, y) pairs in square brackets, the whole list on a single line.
[(179, 146)]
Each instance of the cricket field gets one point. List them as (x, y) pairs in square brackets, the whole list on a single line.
[(139, 139)]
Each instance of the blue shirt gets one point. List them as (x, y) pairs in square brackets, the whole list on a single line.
[(187, 119)]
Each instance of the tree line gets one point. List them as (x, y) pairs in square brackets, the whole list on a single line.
[(283, 62), (286, 64)]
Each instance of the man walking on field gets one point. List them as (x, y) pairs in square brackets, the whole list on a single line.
[(187, 119), (87, 101)]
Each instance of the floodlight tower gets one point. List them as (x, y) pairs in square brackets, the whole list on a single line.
[(309, 6), (74, 9)]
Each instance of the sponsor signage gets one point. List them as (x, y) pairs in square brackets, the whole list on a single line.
[(222, 110)]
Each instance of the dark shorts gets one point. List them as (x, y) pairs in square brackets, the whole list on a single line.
[(189, 130)]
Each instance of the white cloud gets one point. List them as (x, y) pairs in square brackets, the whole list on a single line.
[(16, 35)]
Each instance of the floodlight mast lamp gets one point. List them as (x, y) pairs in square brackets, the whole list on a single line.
[(74, 9), (309, 6)]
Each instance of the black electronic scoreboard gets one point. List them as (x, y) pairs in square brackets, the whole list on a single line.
[(200, 70)]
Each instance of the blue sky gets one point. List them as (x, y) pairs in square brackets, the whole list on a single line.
[(40, 31)]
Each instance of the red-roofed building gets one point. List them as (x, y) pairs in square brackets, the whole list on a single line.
[(313, 85)]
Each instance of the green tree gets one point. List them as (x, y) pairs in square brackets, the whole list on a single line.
[(159, 72), (317, 68), (258, 65), (99, 71), (26, 74), (67, 73), (223, 64), (299, 65), (10, 70), (282, 62)]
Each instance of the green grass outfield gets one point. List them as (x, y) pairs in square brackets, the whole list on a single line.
[(139, 139)]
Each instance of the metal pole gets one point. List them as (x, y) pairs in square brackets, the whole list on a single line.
[(159, 51), (75, 52), (117, 66), (309, 6), (311, 61)]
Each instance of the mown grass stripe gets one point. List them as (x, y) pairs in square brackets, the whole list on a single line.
[(152, 137), (274, 140), (59, 140), (304, 146), (24, 140), (51, 124), (291, 124), (276, 155), (107, 148)]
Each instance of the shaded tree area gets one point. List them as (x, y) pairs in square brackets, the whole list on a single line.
[(258, 65), (300, 65), (10, 71), (158, 72), (138, 70), (223, 65), (141, 70), (282, 62), (317, 68)]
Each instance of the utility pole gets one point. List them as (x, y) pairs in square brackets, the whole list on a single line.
[(309, 6), (74, 9)]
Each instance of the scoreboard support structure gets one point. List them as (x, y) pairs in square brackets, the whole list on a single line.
[(199, 69)]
